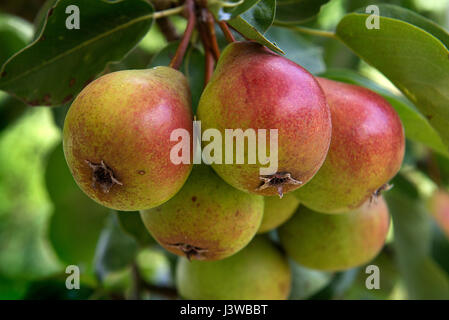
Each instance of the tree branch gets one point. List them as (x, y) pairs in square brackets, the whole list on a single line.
[(226, 31), (168, 29), (210, 22), (180, 52)]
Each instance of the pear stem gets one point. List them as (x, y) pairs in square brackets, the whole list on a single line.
[(209, 60), (210, 23), (168, 29), (181, 50), (310, 31), (226, 31)]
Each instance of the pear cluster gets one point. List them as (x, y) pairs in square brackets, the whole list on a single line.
[(338, 147)]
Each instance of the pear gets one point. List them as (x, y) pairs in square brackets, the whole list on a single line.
[(277, 211), (254, 88), (116, 137), (207, 219), (366, 150), (334, 242), (258, 272)]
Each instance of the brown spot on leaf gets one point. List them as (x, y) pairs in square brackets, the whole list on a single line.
[(141, 172), (193, 198), (72, 82), (50, 12)]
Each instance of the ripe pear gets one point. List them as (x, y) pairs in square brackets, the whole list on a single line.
[(207, 219), (438, 205), (366, 150), (254, 88), (258, 272), (117, 137), (334, 242), (277, 211)]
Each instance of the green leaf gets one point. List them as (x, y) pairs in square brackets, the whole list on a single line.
[(298, 49), (15, 33), (77, 220), (298, 11), (116, 250), (407, 52), (60, 62), (132, 224), (423, 278), (417, 127), (255, 22), (261, 16), (226, 13), (192, 67)]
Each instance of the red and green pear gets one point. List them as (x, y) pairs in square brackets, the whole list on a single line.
[(258, 272), (333, 242), (117, 137), (207, 219), (254, 88), (277, 211), (366, 150)]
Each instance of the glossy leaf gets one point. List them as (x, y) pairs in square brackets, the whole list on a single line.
[(77, 220), (15, 33), (261, 16), (407, 51), (417, 127), (298, 11), (255, 22), (227, 13), (61, 61), (298, 49)]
